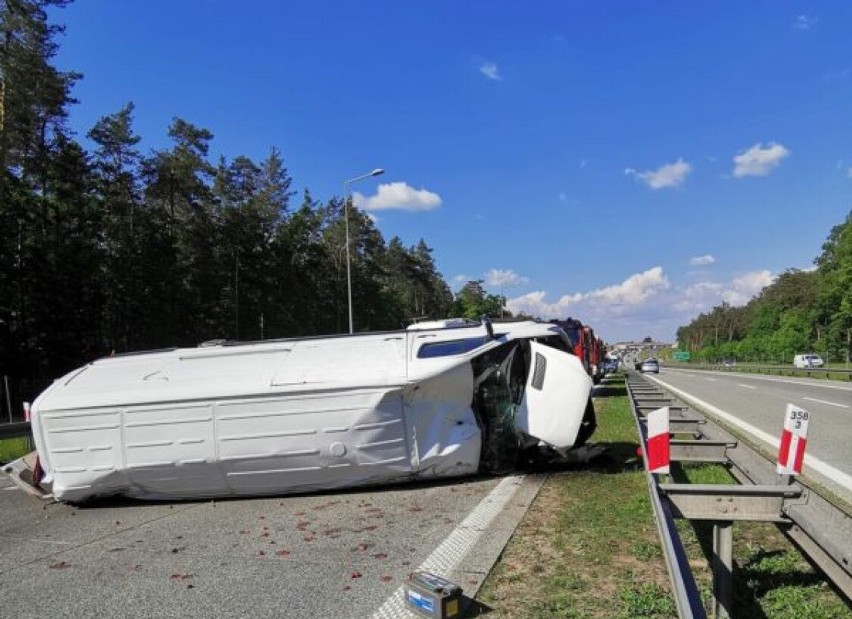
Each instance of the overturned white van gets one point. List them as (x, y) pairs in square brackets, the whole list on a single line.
[(308, 414)]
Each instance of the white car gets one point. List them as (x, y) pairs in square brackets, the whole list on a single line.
[(808, 361), (650, 365)]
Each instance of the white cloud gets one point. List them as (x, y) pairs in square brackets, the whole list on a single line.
[(744, 287), (504, 278), (703, 296), (644, 304), (702, 261), (397, 195), (804, 22), (534, 304), (489, 70), (608, 301), (633, 290), (668, 175), (759, 160), (699, 297)]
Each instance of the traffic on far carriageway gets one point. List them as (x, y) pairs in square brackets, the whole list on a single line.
[(439, 399)]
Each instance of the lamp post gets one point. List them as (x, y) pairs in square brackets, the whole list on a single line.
[(376, 172)]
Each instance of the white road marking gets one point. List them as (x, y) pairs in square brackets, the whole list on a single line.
[(821, 383), (835, 475), (825, 402), (11, 488), (446, 556), (746, 386)]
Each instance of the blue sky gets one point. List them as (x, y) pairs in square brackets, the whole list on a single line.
[(630, 164)]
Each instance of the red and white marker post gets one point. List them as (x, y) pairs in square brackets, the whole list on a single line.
[(27, 411), (658, 441), (794, 438)]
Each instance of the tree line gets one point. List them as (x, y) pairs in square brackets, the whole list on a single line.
[(108, 249), (802, 311)]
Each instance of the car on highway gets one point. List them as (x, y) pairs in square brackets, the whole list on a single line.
[(808, 361), (650, 365)]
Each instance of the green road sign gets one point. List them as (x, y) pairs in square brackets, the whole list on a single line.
[(681, 355)]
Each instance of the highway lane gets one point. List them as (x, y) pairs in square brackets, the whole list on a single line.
[(340, 554), (761, 401)]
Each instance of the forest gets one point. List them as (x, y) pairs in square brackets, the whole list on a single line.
[(801, 311), (107, 249)]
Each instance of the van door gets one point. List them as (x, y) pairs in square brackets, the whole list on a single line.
[(554, 401)]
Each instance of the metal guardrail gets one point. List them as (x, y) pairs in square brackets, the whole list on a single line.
[(781, 370), (686, 594), (819, 528), (15, 430)]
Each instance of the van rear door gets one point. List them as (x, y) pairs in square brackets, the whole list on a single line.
[(555, 397)]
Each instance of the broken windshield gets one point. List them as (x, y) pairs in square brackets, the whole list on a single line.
[(500, 377)]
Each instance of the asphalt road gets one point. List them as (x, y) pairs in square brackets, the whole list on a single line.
[(761, 402), (341, 554)]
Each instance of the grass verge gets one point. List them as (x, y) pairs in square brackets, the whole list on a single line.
[(588, 546), (771, 577), (13, 448)]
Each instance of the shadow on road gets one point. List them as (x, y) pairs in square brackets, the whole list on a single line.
[(474, 608), (610, 390)]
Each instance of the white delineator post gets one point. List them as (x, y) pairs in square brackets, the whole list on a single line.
[(658, 441), (794, 438), (27, 411)]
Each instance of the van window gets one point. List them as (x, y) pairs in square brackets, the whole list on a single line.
[(554, 341), (452, 347)]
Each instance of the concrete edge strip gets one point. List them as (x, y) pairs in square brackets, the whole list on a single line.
[(828, 471), (472, 571), (450, 552)]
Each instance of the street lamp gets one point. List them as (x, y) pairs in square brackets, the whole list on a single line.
[(376, 172)]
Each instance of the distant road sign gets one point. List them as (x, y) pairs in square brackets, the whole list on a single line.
[(681, 355)]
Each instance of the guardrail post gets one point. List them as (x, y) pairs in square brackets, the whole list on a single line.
[(8, 397), (723, 574)]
